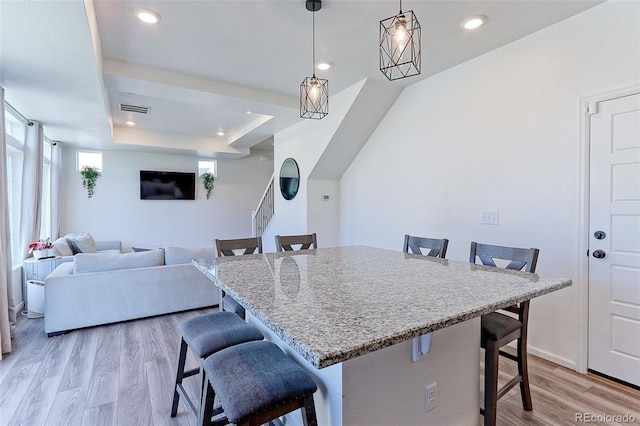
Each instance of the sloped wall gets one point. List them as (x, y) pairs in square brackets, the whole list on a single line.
[(500, 132)]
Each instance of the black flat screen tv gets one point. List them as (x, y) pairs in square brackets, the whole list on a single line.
[(156, 185)]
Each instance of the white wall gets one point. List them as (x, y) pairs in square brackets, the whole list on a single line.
[(116, 211), (500, 132)]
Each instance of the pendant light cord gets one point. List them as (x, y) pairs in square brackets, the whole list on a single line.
[(313, 42), (400, 7)]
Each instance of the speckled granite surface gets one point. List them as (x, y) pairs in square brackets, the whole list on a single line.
[(334, 304)]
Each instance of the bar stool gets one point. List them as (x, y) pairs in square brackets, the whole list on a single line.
[(250, 245), (255, 383), (437, 248), (499, 329), (306, 241), (205, 335)]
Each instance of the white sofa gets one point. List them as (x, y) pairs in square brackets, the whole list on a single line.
[(103, 288)]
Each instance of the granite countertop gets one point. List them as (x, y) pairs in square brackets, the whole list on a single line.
[(334, 304)]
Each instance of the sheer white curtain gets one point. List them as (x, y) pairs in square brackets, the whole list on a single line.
[(56, 168), (30, 210), (5, 248)]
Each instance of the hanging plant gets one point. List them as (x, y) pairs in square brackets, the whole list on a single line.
[(207, 182), (90, 175)]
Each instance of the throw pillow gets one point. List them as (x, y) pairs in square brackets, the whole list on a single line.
[(61, 247), (74, 247), (85, 243), (178, 255)]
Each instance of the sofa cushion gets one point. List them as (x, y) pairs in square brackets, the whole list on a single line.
[(82, 243), (98, 262), (178, 255), (61, 247)]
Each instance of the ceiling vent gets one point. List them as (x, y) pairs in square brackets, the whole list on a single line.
[(134, 108)]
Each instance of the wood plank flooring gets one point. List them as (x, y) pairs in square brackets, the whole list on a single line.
[(122, 375)]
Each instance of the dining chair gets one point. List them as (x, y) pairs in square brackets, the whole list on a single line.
[(286, 242), (499, 329), (233, 247), (437, 248)]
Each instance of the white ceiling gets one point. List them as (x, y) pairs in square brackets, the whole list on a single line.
[(69, 64)]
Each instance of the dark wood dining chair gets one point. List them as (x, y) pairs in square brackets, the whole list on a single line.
[(437, 248), (499, 329), (287, 242), (229, 248)]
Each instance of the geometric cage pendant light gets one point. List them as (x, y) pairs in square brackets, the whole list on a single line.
[(314, 92), (400, 45)]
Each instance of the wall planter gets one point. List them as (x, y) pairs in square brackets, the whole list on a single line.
[(207, 182), (89, 177)]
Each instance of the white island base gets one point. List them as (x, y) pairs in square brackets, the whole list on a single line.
[(385, 388)]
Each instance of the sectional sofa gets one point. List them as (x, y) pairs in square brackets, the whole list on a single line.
[(103, 288)]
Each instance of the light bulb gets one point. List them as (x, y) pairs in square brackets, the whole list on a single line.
[(400, 36), (314, 91)]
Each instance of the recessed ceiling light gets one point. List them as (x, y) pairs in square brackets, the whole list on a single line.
[(473, 22), (130, 123), (147, 16), (220, 133), (248, 112), (325, 65)]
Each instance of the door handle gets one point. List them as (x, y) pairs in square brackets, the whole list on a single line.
[(599, 254)]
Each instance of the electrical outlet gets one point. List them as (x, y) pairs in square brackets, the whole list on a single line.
[(431, 397), (489, 217)]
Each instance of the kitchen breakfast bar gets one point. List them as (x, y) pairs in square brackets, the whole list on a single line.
[(353, 316)]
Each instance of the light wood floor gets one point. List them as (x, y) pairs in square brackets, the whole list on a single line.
[(122, 374)]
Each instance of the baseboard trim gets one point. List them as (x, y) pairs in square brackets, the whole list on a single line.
[(551, 357)]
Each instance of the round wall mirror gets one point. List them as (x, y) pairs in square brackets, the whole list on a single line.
[(289, 179)]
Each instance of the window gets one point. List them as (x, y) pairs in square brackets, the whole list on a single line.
[(15, 129), (90, 159), (207, 166)]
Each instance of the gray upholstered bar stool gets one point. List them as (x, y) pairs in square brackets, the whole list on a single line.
[(499, 329), (205, 335), (437, 248), (255, 383), (249, 245), (306, 242)]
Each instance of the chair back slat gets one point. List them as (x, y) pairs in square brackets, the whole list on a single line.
[(228, 247), (306, 242), (437, 248)]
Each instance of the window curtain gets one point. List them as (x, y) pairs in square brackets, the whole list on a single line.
[(30, 210), (56, 169), (5, 248)]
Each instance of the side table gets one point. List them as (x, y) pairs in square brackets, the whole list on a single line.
[(34, 272)]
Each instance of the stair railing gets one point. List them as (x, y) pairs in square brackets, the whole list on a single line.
[(262, 215)]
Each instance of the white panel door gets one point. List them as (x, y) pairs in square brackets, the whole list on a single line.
[(614, 245)]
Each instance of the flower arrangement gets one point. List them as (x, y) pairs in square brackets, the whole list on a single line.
[(41, 244)]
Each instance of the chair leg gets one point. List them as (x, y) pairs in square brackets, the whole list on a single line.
[(491, 355), (182, 357), (309, 412), (523, 371), (206, 404)]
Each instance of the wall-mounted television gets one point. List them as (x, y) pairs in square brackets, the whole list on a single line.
[(155, 185)]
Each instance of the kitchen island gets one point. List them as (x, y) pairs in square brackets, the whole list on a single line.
[(349, 316)]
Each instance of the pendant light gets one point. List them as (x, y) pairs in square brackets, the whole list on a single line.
[(400, 45), (314, 92)]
